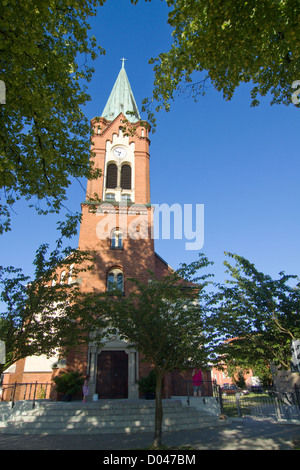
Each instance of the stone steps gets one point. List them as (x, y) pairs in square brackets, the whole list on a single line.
[(99, 417)]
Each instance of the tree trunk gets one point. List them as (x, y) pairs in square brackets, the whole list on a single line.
[(158, 409)]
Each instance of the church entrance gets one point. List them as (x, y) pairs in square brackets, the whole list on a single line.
[(112, 374)]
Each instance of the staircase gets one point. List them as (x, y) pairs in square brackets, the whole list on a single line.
[(103, 416)]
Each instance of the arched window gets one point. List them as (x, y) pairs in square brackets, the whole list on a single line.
[(70, 279), (62, 277), (120, 281), (112, 176), (126, 177), (115, 279), (116, 239)]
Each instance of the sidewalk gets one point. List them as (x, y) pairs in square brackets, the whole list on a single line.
[(243, 434)]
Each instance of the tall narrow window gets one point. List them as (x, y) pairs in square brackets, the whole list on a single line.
[(111, 176), (116, 239), (62, 277), (120, 282), (110, 281), (126, 177), (70, 279)]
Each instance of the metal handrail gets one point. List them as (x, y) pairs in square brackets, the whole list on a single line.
[(31, 386)]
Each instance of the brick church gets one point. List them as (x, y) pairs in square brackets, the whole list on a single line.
[(120, 231)]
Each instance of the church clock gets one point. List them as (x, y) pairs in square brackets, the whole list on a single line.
[(120, 152)]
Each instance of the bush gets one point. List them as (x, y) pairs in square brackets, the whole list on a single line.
[(148, 383), (69, 383)]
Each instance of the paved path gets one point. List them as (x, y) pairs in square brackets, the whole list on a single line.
[(244, 434)]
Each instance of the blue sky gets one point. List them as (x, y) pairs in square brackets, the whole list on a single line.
[(242, 163)]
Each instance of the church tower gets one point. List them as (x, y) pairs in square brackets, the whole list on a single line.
[(119, 228)]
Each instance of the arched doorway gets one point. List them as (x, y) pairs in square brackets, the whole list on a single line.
[(112, 374)]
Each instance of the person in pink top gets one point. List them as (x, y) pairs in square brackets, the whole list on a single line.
[(86, 388), (197, 382)]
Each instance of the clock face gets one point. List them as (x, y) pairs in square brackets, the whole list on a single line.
[(120, 152)]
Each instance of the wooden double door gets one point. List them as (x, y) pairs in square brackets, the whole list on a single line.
[(112, 374)]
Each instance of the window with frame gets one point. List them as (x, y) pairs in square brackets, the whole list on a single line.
[(112, 176), (116, 239), (115, 280), (126, 177), (110, 197)]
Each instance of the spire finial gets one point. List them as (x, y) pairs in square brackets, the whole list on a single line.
[(121, 99)]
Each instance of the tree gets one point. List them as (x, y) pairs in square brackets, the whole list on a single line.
[(253, 318), (45, 315), (230, 42), (45, 53), (162, 320)]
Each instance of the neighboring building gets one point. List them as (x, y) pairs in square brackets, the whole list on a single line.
[(222, 378)]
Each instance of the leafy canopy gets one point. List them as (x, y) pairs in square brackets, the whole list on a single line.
[(230, 42), (47, 315), (45, 51), (162, 320), (253, 318)]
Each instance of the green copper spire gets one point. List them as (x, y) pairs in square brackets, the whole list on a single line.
[(121, 99)]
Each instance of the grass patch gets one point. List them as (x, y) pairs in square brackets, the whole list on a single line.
[(296, 444), (246, 403)]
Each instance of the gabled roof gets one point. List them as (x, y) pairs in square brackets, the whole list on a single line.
[(121, 100)]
